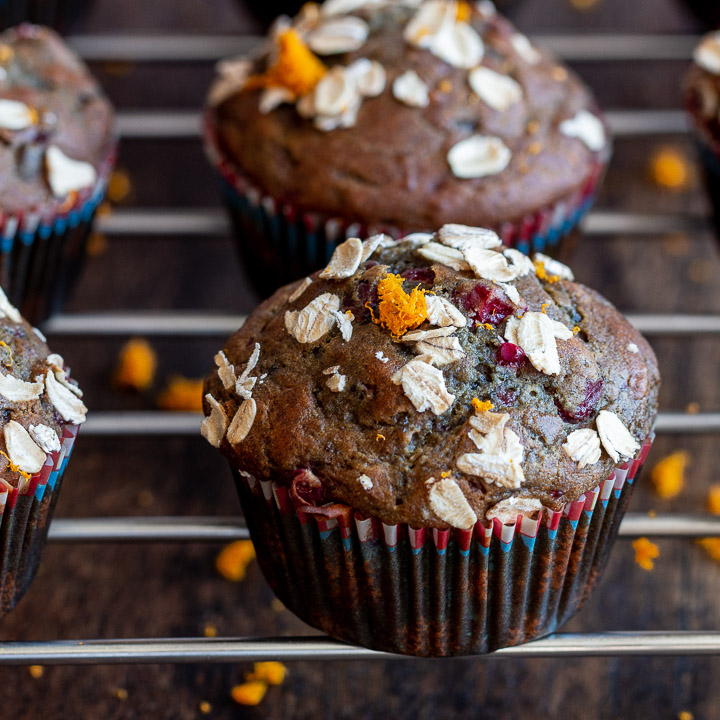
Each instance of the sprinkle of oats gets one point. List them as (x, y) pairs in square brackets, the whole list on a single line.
[(272, 673), (535, 148), (36, 671), (210, 630), (713, 501), (482, 405), (645, 553), (576, 330), (668, 475), (669, 168), (120, 693), (712, 547), (249, 693), (205, 707), (119, 186), (181, 393), (136, 365), (533, 127), (445, 86), (399, 311), (296, 67), (692, 408), (233, 560), (145, 498), (379, 437)]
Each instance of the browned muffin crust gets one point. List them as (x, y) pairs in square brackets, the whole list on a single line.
[(372, 428), (391, 168), (39, 70)]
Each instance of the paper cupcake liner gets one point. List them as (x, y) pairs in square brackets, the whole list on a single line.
[(25, 513), (279, 243), (433, 592), (42, 252)]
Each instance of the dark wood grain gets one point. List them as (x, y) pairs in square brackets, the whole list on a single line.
[(108, 591)]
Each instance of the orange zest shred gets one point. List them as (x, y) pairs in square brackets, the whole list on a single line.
[(713, 502), (445, 473), (136, 365), (398, 311), (464, 11), (482, 405), (36, 671), (542, 274), (233, 560), (379, 437), (270, 672), (181, 393), (249, 693), (14, 467), (668, 475), (544, 307), (712, 547), (205, 707), (9, 349), (296, 67), (645, 553)]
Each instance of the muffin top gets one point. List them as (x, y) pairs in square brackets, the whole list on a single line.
[(702, 87), (37, 400), (56, 126), (435, 382), (406, 117)]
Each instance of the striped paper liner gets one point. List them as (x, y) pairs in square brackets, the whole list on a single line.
[(42, 252), (25, 513), (280, 243), (432, 592)]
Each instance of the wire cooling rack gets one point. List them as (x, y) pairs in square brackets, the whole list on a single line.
[(211, 222)]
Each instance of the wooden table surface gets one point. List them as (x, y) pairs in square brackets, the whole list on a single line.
[(173, 590)]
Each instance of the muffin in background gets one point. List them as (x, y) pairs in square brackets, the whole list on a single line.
[(57, 151), (434, 440), (702, 100), (42, 410), (394, 119)]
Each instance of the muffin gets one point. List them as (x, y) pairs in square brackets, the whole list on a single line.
[(434, 440), (397, 119), (702, 100), (57, 151), (42, 410)]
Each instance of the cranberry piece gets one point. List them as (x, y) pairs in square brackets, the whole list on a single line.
[(506, 397), (556, 494), (593, 390), (424, 276), (306, 488), (511, 355), (485, 306)]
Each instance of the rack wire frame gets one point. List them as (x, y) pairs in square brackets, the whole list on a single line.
[(211, 222)]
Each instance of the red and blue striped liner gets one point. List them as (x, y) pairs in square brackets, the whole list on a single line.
[(25, 514), (279, 243), (42, 251), (432, 592)]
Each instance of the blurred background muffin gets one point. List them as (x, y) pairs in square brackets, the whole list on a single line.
[(398, 119)]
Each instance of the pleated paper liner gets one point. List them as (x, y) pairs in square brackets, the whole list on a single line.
[(279, 243), (25, 514), (433, 592)]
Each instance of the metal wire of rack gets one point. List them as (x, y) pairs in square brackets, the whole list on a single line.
[(211, 222)]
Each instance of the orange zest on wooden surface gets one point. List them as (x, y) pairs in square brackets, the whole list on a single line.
[(712, 547), (399, 311), (249, 693), (668, 475), (296, 67), (645, 553), (270, 672), (181, 393), (233, 560), (713, 501), (136, 365), (482, 405)]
